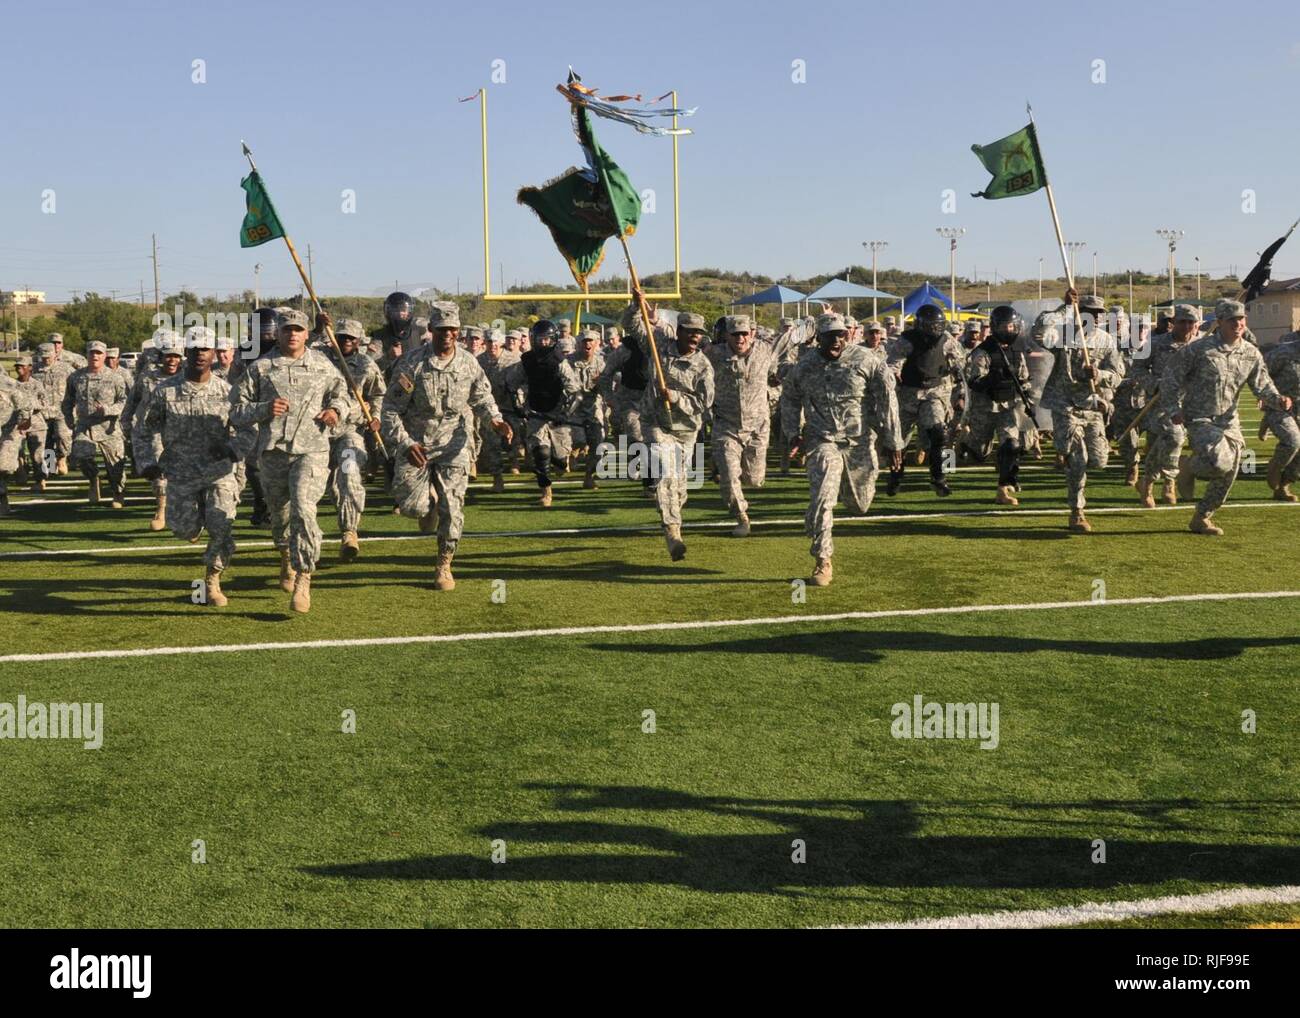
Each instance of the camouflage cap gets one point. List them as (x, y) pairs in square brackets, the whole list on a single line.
[(225, 342), (292, 319), (688, 321), (45, 350), (495, 336), (1187, 313), (171, 343), (871, 325), (890, 320), (350, 327), (444, 315), (200, 337), (95, 346), (1229, 309), (113, 351), (831, 322), (613, 330), (1118, 309), (159, 338), (473, 332), (737, 323), (786, 322), (1091, 304), (23, 360), (850, 321), (56, 337), (591, 334)]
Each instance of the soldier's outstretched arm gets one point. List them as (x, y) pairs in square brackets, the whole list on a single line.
[(1261, 384)]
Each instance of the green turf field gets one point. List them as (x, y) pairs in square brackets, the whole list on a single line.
[(1117, 722)]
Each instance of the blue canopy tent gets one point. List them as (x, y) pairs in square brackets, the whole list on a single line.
[(842, 289), (924, 294), (778, 294)]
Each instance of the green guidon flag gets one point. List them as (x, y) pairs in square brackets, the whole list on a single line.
[(583, 208), (1016, 165), (260, 223)]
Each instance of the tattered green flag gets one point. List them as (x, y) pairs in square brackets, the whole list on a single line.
[(583, 208), (260, 223), (1016, 165)]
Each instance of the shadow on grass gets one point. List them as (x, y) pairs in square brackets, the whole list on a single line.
[(849, 843)]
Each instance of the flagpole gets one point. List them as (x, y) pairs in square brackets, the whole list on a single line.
[(645, 319), (329, 329), (1060, 240)]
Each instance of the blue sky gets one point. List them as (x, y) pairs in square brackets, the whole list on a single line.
[(1197, 106)]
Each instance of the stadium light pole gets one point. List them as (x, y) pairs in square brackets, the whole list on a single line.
[(874, 245), (1198, 279), (1094, 273), (1040, 280), (951, 233), (1075, 246), (1171, 238)]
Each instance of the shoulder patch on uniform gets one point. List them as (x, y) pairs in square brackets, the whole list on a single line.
[(404, 380)]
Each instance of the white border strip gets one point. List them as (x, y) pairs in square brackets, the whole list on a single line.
[(1093, 911), (631, 528), (648, 627)]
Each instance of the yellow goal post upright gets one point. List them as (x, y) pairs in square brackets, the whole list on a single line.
[(575, 295)]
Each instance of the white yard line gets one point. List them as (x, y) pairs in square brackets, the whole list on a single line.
[(648, 627), (655, 528), (1092, 912)]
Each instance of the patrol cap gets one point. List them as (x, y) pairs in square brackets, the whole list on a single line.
[(787, 322), (225, 342), (171, 344), (113, 352), (973, 325), (159, 338), (495, 336), (613, 330), (56, 337), (1187, 313), (591, 334), (23, 360), (688, 321), (1118, 309), (350, 327), (737, 323), (890, 320), (831, 322), (95, 346), (473, 331), (1091, 303), (293, 319), (45, 350), (200, 337), (1229, 309), (444, 315), (871, 325)]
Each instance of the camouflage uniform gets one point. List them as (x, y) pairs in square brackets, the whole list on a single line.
[(1078, 420), (1130, 396), (585, 412), (1284, 368), (848, 405), (742, 414), (144, 445), (671, 432), (550, 437), (292, 450), (1165, 439), (926, 407), (1203, 384), (189, 422), (629, 375), (27, 402), (992, 410), (349, 449), (53, 378), (494, 452), (92, 404), (424, 405)]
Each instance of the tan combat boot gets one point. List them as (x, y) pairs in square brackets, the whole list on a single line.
[(1185, 486), (741, 529), (1275, 477), (442, 578), (1131, 478), (822, 574), (160, 514), (545, 500), (1079, 523), (287, 574), (301, 600), (1006, 495), (349, 547), (1284, 494), (1202, 524), (62, 465), (498, 484), (676, 546), (212, 589), (1170, 495), (1145, 499)]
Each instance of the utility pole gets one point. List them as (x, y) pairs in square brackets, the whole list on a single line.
[(156, 305), (257, 285), (1198, 279), (951, 233), (874, 246), (1040, 280), (1094, 273), (142, 293), (1171, 238), (311, 278)]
